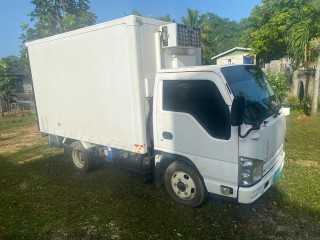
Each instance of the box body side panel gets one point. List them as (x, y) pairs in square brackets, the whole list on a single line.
[(86, 87)]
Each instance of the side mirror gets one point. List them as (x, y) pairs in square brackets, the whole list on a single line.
[(237, 110)]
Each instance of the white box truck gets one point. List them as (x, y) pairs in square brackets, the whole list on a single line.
[(131, 90)]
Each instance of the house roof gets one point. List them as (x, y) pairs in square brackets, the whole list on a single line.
[(231, 50)]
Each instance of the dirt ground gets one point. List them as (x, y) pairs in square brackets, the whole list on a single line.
[(12, 142)]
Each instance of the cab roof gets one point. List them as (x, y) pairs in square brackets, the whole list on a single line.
[(204, 68)]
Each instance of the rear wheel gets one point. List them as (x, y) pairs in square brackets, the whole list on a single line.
[(184, 184), (67, 151), (99, 156), (83, 159)]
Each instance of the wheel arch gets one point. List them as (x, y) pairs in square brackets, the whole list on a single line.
[(68, 141), (86, 145), (164, 163)]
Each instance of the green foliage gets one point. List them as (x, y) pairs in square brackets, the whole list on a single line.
[(292, 101), (193, 18), (166, 18), (11, 69), (7, 84), (276, 28), (306, 105), (302, 107), (314, 44), (279, 83), (262, 31), (136, 13), (284, 27), (53, 17), (15, 66), (304, 26), (218, 34)]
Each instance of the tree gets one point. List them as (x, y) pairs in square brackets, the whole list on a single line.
[(305, 31), (219, 35), (283, 27), (193, 18), (51, 17), (303, 27), (264, 30), (7, 84), (166, 18)]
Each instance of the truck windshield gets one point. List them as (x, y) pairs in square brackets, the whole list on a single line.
[(250, 82)]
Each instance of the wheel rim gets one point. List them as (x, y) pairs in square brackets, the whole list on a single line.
[(78, 158), (183, 185)]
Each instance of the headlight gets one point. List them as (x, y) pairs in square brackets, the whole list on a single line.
[(250, 171)]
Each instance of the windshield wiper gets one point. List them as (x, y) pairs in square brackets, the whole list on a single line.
[(277, 110)]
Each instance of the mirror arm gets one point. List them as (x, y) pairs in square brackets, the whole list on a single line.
[(247, 133)]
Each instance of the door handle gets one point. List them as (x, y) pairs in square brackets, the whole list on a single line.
[(167, 135)]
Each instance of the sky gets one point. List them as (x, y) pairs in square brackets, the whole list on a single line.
[(15, 12)]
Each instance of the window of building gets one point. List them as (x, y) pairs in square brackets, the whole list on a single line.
[(202, 100)]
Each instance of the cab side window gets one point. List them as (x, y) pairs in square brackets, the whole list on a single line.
[(202, 100)]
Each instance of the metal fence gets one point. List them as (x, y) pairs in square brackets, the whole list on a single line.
[(17, 107)]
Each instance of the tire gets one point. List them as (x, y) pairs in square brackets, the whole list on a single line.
[(97, 157), (67, 151), (83, 160), (184, 184)]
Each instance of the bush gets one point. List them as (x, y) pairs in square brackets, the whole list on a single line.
[(279, 84), (304, 106), (292, 101)]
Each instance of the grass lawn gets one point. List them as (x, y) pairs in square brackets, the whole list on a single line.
[(42, 197)]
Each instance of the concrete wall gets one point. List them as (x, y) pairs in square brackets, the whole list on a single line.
[(304, 79), (296, 79), (27, 93)]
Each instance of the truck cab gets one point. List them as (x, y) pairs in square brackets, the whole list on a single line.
[(217, 129)]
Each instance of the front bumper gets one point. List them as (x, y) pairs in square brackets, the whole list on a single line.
[(251, 194)]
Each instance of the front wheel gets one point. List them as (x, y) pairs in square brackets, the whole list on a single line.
[(184, 184)]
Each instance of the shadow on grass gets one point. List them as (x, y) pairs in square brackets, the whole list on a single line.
[(46, 198)]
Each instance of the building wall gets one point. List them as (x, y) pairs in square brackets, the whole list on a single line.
[(297, 79), (23, 89), (304, 79), (228, 60), (235, 57)]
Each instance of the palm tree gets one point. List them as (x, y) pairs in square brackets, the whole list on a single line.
[(166, 18), (193, 18), (305, 31)]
